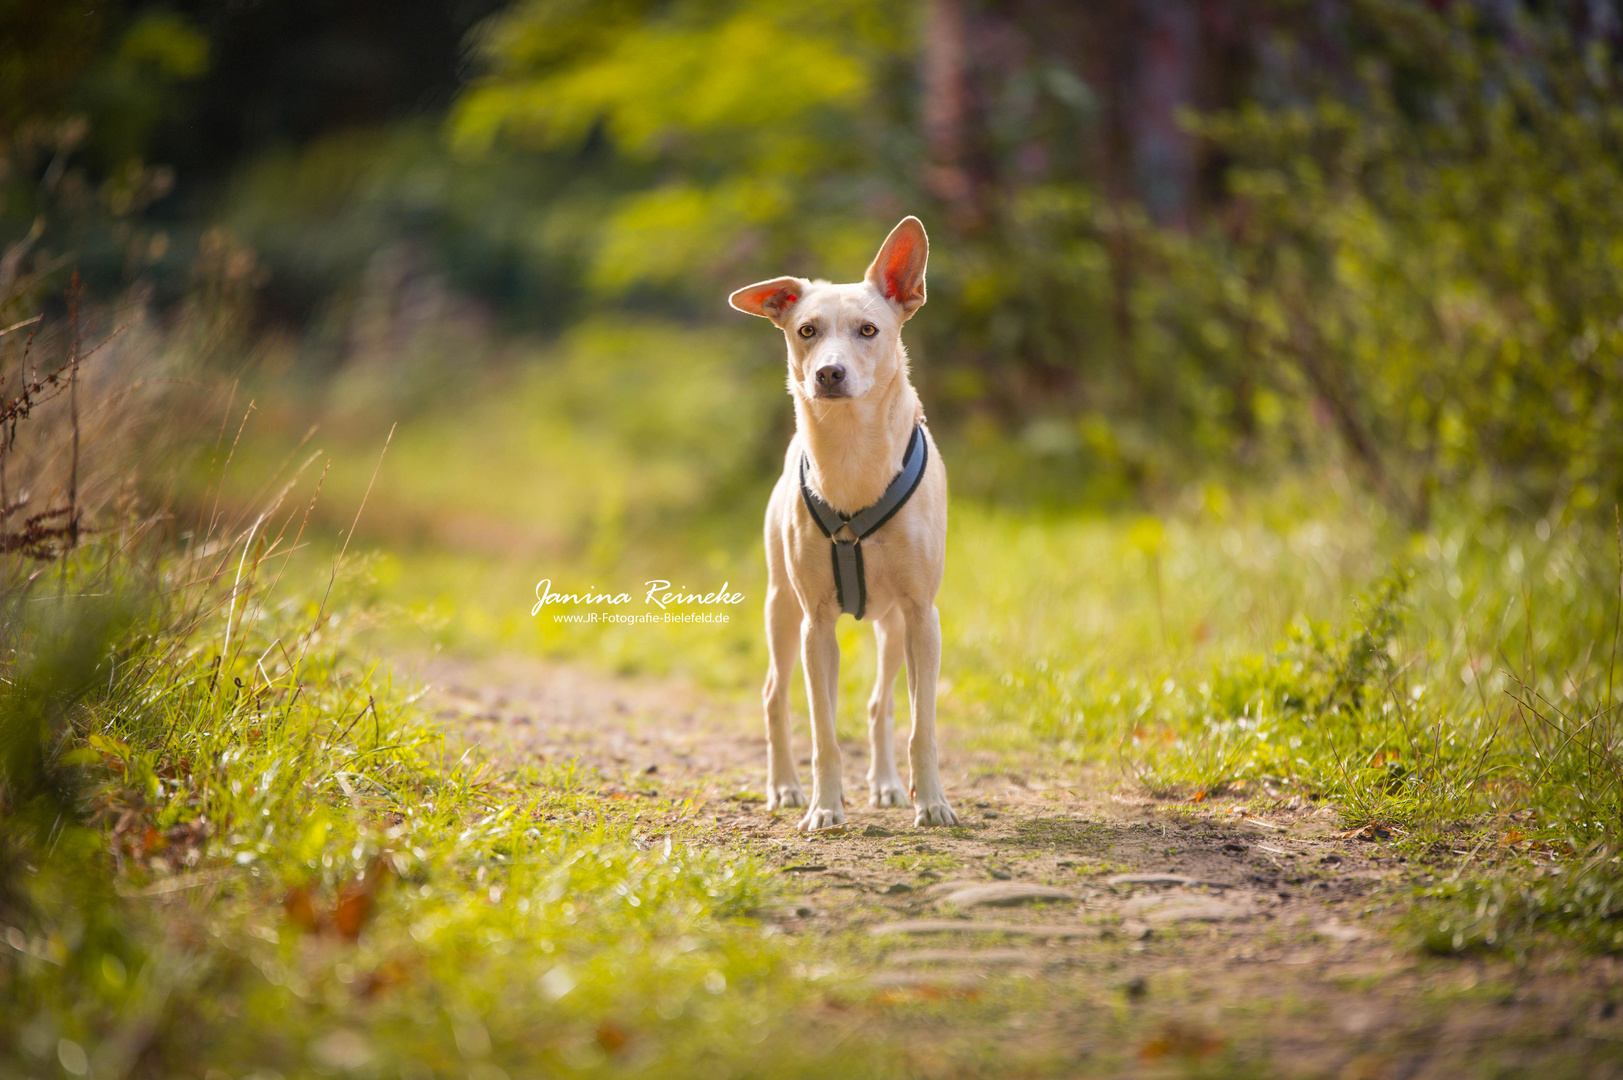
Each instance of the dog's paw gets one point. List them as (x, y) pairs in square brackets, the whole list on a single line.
[(887, 793), (784, 796), (934, 813), (821, 818)]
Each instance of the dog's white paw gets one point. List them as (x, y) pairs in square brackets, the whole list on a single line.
[(887, 793), (784, 796), (934, 813), (821, 818)]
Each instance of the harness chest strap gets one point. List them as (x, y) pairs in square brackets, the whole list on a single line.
[(849, 582)]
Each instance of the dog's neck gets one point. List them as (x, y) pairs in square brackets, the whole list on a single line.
[(855, 446)]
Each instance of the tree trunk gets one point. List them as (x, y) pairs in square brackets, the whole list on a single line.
[(945, 108)]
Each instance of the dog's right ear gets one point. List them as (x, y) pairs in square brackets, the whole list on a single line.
[(770, 299)]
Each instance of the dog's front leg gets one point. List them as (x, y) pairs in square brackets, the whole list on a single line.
[(783, 621), (923, 669), (885, 787), (820, 654)]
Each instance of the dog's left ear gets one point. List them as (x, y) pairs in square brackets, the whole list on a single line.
[(898, 270)]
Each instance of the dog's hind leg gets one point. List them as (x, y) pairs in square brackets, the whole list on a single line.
[(782, 645), (923, 669), (885, 786), (820, 653)]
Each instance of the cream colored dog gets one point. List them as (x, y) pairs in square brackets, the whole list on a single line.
[(855, 418)]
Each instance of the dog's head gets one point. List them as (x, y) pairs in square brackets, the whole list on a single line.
[(845, 339)]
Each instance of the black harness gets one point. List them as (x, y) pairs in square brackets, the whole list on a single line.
[(849, 582)]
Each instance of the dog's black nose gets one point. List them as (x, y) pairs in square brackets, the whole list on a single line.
[(831, 375)]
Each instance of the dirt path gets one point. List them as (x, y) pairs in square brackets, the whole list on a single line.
[(1069, 926)]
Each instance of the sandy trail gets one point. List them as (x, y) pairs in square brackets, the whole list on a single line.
[(1068, 920)]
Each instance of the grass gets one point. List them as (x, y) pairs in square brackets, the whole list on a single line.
[(1239, 647), (231, 843), (257, 857), (1577, 902)]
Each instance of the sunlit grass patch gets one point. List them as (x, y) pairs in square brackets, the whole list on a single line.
[(1578, 902), (1327, 714), (259, 856)]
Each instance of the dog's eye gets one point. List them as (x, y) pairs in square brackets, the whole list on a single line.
[(869, 330), (808, 330)]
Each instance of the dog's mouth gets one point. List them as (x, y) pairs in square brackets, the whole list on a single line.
[(826, 393)]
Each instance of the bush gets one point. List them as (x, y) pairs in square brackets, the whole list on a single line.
[(1426, 261)]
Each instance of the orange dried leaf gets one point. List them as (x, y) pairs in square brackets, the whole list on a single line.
[(1181, 1040), (611, 1036), (385, 975), (350, 912), (300, 909), (356, 900)]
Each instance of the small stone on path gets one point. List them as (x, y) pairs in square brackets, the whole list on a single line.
[(972, 957), (1006, 894), (1162, 909), (966, 926), (1163, 879), (932, 980), (1336, 931)]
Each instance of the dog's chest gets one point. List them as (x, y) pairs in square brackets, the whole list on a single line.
[(895, 561)]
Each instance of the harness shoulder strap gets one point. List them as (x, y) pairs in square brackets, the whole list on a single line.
[(900, 490), (828, 519)]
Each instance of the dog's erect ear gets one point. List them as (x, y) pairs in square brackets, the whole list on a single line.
[(898, 270), (769, 299)]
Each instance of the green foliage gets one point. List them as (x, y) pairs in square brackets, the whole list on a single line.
[(84, 93), (655, 79), (1427, 263), (1413, 275), (357, 212), (131, 91), (1411, 265), (699, 163), (44, 49)]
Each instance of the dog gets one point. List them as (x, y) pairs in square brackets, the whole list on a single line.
[(856, 524)]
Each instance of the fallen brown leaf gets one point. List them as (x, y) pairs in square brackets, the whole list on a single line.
[(901, 995), (1181, 1040), (357, 898), (611, 1036), (300, 909), (385, 975)]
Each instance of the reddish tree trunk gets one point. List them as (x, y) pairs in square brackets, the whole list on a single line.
[(946, 106)]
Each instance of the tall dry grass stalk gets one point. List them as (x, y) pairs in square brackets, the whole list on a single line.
[(79, 412)]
